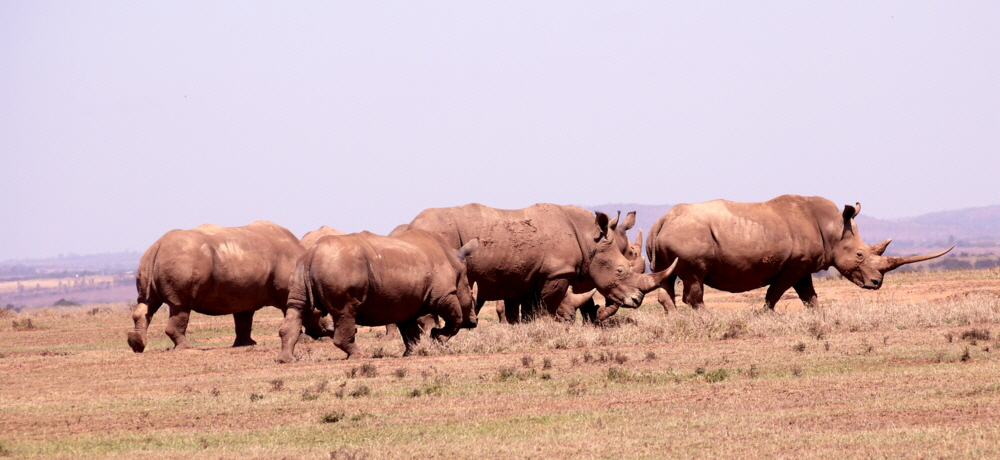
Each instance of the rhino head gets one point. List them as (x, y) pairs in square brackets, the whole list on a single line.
[(467, 294), (608, 267), (865, 265)]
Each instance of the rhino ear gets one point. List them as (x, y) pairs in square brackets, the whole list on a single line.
[(878, 249), (851, 212), (467, 249), (629, 221), (603, 223), (613, 224)]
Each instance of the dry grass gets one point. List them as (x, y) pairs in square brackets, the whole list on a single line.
[(864, 375)]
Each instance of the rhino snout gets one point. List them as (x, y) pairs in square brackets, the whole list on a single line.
[(873, 284)]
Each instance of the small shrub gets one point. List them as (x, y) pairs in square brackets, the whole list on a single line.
[(799, 347), (506, 373), (620, 358), (976, 334), (332, 417), (361, 391), (400, 373), (368, 370), (415, 393), (617, 374), (254, 397), (527, 361), (277, 384), (215, 392), (379, 353), (545, 376), (650, 356), (547, 363), (717, 375), (587, 357), (699, 371), (965, 355), (23, 325), (949, 337)]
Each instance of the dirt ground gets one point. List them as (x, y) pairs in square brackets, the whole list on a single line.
[(909, 371)]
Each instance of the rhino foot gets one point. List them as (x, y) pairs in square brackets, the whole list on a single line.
[(245, 343), (136, 341), (284, 358)]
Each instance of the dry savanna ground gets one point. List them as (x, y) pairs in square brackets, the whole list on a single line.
[(910, 371)]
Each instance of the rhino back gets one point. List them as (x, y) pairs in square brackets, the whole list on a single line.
[(390, 279), (518, 248), (225, 270), (742, 246)]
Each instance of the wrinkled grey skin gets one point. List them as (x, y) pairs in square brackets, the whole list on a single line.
[(737, 247), (538, 252), (214, 271), (371, 280)]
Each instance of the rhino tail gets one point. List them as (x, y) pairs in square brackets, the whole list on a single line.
[(145, 283)]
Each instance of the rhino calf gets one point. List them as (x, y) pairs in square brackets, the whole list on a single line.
[(215, 271), (371, 280), (737, 247)]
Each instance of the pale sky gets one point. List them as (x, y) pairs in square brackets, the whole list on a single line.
[(120, 121)]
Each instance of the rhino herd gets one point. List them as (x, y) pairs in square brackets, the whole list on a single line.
[(446, 263)]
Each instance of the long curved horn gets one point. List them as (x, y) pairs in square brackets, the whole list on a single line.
[(892, 263), (651, 281)]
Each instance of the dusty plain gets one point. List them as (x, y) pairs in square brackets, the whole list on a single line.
[(909, 371)]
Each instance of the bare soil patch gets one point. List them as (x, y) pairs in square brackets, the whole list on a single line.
[(890, 373)]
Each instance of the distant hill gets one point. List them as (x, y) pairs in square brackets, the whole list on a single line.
[(70, 265)]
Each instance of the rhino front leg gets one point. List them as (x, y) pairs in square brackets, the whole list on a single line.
[(666, 295), (142, 315), (289, 332), (244, 324), (177, 326)]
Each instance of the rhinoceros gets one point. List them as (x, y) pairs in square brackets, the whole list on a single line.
[(309, 239), (538, 252), (584, 302), (215, 271), (737, 247), (371, 280)]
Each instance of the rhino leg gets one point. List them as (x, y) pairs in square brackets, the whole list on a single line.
[(141, 317), (343, 336), (177, 326), (410, 330), (501, 307), (553, 293), (588, 311), (392, 332), (511, 311), (244, 323), (666, 295), (289, 333), (804, 288), (694, 293)]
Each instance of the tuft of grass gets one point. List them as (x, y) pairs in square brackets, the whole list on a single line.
[(799, 347), (254, 397), (547, 363), (717, 375), (367, 370), (277, 384), (965, 355), (400, 373), (527, 361), (23, 325), (797, 370), (380, 352), (650, 356), (973, 335), (332, 417), (361, 391)]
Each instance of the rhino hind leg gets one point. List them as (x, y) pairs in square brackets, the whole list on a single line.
[(141, 316), (804, 288), (244, 324), (410, 330), (694, 293), (345, 330), (177, 326)]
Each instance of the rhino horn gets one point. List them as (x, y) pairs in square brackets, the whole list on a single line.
[(892, 263), (651, 281), (878, 249), (638, 239)]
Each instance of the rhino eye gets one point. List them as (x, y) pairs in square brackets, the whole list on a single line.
[(860, 255)]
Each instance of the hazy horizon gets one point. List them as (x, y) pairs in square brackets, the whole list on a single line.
[(120, 121)]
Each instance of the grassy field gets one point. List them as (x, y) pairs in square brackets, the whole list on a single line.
[(910, 371)]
